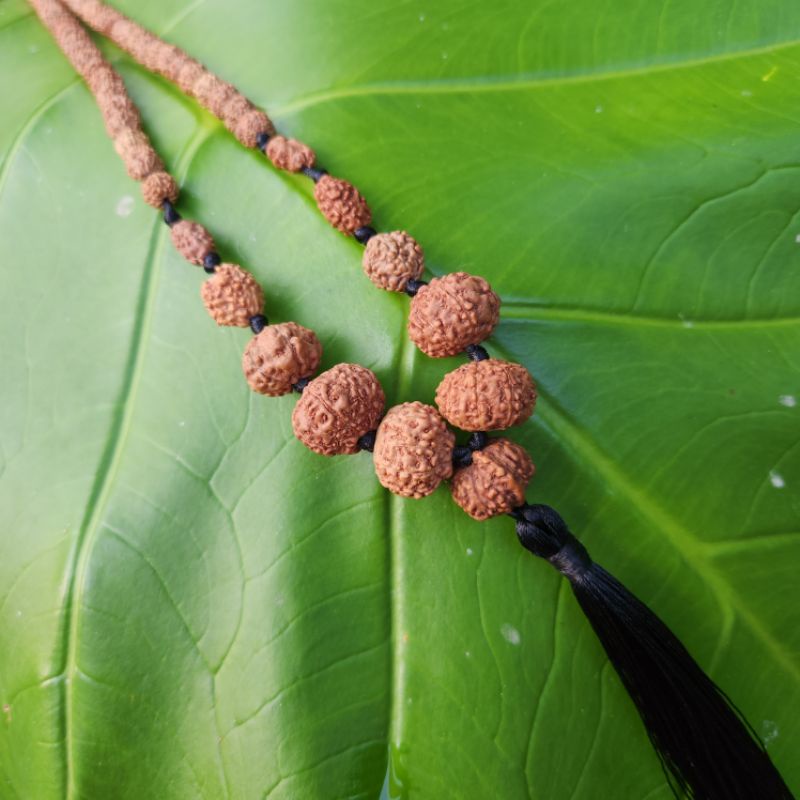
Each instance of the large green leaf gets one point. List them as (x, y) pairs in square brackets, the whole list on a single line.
[(192, 605)]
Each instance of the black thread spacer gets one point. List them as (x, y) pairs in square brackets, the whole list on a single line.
[(171, 216), (211, 261), (478, 440), (367, 441), (462, 456), (364, 234), (300, 385), (258, 322), (412, 286), (262, 139), (476, 352), (313, 173)]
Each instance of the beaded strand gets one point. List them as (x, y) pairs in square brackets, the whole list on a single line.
[(448, 315)]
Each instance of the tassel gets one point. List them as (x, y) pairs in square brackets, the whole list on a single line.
[(707, 749)]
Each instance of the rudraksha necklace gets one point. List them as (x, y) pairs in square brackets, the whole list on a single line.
[(707, 749)]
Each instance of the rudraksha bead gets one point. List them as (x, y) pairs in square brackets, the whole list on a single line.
[(289, 154), (495, 482), (341, 204), (413, 450), (278, 357), (232, 295), (486, 395), (337, 408), (392, 259), (452, 312), (158, 187), (192, 241)]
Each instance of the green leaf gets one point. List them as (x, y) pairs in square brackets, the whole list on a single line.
[(193, 605)]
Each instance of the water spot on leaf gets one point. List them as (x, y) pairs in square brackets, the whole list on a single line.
[(776, 480), (788, 400), (510, 634), (125, 206), (769, 731)]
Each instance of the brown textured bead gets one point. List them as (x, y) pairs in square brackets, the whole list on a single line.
[(392, 259), (169, 59), (234, 109), (138, 155), (213, 92), (452, 312), (413, 450), (248, 126), (158, 187), (275, 359), (188, 75), (192, 241), (496, 480), (337, 408), (232, 295), (486, 395), (289, 154), (120, 116), (342, 204)]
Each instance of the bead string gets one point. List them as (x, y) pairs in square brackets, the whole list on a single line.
[(412, 448)]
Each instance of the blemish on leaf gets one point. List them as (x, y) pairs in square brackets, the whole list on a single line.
[(125, 206), (511, 634), (769, 75), (769, 731), (788, 400), (776, 480)]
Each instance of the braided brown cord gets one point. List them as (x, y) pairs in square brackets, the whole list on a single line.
[(119, 112), (238, 114)]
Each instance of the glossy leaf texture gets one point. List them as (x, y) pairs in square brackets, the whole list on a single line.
[(192, 605)]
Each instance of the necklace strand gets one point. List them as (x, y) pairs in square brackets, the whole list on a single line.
[(706, 748)]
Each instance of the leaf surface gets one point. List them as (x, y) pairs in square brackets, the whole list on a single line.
[(193, 605)]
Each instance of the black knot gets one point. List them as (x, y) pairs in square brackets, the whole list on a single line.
[(211, 261), (364, 234), (462, 456), (300, 385), (171, 216), (541, 530), (315, 174), (572, 560), (476, 352), (262, 140), (367, 441), (478, 441), (258, 322), (412, 286)]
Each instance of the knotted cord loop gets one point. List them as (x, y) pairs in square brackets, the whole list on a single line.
[(541, 530)]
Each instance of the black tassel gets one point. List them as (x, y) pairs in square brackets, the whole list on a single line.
[(706, 747)]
